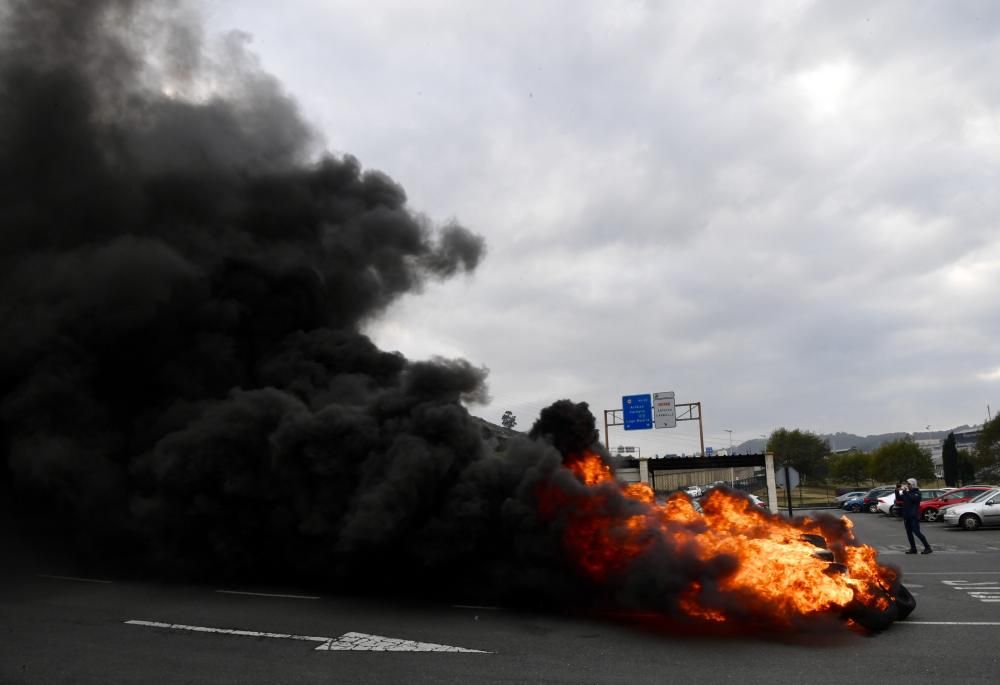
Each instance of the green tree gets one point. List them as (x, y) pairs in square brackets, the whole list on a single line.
[(966, 469), (508, 420), (949, 461), (987, 457), (805, 452), (852, 467), (900, 459)]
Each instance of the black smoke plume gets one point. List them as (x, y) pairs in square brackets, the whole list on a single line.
[(183, 377), (185, 388)]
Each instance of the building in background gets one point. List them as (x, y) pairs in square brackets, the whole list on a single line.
[(933, 447), (965, 440)]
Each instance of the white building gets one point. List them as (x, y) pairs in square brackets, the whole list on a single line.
[(933, 447)]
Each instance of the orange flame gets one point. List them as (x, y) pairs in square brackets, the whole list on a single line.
[(778, 575)]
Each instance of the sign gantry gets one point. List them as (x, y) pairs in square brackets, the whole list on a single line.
[(642, 412)]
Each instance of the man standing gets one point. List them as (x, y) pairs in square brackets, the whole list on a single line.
[(911, 516)]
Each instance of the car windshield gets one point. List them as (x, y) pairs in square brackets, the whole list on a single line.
[(956, 494), (986, 495)]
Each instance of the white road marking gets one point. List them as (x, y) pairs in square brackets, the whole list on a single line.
[(266, 594), (988, 591), (952, 573), (228, 631), (357, 642), (377, 643), (948, 623), (75, 579)]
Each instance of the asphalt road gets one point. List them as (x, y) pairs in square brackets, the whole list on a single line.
[(103, 630)]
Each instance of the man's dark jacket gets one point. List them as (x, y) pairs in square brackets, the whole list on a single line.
[(911, 503)]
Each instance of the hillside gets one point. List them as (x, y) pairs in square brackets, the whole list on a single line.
[(866, 443)]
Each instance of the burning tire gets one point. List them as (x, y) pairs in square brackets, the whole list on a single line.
[(905, 602), (900, 604)]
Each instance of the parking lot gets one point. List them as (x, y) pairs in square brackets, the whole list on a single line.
[(63, 629)]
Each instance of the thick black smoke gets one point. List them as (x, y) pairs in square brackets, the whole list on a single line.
[(183, 379), (184, 385)]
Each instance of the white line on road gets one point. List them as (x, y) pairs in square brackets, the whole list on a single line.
[(75, 579), (952, 573), (266, 594), (949, 623), (978, 587), (228, 631), (355, 642)]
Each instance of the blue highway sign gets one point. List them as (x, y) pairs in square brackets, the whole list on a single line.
[(637, 412)]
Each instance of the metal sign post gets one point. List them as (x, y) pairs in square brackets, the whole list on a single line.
[(689, 415), (788, 492)]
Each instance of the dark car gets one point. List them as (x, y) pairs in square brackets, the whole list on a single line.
[(870, 502), (854, 504), (930, 509)]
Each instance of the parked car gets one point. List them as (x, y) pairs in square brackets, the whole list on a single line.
[(870, 502), (854, 504), (931, 508), (693, 491), (887, 503), (982, 510), (850, 495)]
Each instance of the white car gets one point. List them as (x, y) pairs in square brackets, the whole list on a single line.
[(887, 504), (983, 510), (693, 491)]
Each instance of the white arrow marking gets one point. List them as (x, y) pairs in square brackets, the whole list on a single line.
[(362, 642), (357, 642)]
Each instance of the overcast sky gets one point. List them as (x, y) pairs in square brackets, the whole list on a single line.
[(784, 210)]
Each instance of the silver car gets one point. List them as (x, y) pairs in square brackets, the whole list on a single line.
[(983, 510)]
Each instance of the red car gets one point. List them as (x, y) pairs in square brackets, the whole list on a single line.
[(930, 510)]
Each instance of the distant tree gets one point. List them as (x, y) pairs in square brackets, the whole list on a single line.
[(508, 420), (805, 452), (966, 469), (900, 459), (852, 467), (949, 461), (987, 457)]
